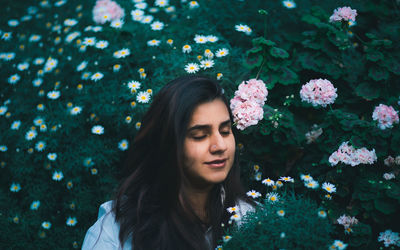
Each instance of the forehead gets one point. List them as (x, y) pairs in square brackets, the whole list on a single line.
[(213, 112)]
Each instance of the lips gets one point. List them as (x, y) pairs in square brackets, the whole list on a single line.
[(219, 163)]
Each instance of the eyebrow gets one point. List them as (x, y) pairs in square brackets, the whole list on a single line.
[(206, 126)]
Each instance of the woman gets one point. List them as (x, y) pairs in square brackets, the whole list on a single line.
[(180, 176)]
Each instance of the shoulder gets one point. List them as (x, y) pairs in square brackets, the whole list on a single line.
[(103, 234)]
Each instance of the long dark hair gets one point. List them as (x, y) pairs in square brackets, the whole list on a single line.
[(147, 204)]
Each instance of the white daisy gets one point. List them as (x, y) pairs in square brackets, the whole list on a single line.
[(3, 148), (14, 79), (58, 176), (226, 238), (23, 66), (235, 217), (117, 23), (71, 221), (137, 14), (192, 68), (143, 97), (34, 38), (6, 36), (53, 94), (102, 44), (70, 37), (311, 184), (200, 39), (40, 146), (141, 5), (35, 205), (193, 4), (186, 48), (161, 3), (46, 225), (153, 42), (122, 53), (75, 110), (286, 179), (157, 25), (234, 209), (37, 82), (15, 187), (15, 125), (306, 177), (123, 145), (322, 214), (52, 156), (147, 19), (206, 64), (31, 134), (81, 66), (222, 52), (38, 121), (9, 56), (170, 9), (3, 110), (13, 23), (97, 76), (89, 41), (212, 38), (272, 197), (253, 194), (280, 212), (243, 28), (70, 22), (134, 85), (268, 182), (98, 130), (328, 187), (289, 4)]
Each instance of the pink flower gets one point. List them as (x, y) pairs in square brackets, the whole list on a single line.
[(247, 104), (350, 156), (389, 161), (343, 13), (318, 92), (347, 222), (386, 116), (388, 176), (246, 114), (107, 10)]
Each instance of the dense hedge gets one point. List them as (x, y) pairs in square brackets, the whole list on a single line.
[(68, 104)]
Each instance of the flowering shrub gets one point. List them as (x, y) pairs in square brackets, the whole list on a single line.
[(79, 75)]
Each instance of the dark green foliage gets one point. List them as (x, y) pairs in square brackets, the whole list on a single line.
[(299, 228)]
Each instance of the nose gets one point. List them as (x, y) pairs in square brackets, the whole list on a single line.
[(217, 144)]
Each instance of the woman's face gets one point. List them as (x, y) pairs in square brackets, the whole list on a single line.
[(209, 146)]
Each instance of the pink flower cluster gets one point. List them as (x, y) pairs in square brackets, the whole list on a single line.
[(347, 222), (389, 238), (343, 13), (107, 10), (318, 92), (247, 105), (351, 156), (386, 116), (390, 161)]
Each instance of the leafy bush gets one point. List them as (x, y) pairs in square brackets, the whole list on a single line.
[(60, 84)]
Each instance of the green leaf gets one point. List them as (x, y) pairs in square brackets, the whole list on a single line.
[(310, 19), (253, 61), (270, 79), (385, 206), (278, 52), (392, 65), (311, 44), (262, 41), (368, 91), (288, 76), (394, 191), (378, 73), (375, 56)]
